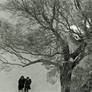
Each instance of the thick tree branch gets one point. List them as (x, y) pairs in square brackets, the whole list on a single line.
[(78, 59), (43, 61), (79, 50), (29, 61), (80, 54)]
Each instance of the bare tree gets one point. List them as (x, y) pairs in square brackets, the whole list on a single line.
[(50, 40)]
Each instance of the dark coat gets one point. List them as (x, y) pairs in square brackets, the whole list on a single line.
[(27, 83), (21, 83)]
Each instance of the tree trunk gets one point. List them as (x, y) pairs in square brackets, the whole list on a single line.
[(66, 84), (65, 78), (65, 89)]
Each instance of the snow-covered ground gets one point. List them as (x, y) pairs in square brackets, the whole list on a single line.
[(8, 80)]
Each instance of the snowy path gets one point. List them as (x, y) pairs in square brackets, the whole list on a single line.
[(8, 80)]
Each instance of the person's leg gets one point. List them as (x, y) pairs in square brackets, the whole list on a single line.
[(22, 90), (27, 90)]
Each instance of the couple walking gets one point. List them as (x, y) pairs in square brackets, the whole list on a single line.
[(24, 84)]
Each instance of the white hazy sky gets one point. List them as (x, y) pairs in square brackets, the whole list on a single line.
[(8, 80)]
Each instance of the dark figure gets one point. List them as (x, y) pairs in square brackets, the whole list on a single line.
[(21, 83), (27, 84)]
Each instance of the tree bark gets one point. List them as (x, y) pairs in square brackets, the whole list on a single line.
[(66, 83), (65, 77)]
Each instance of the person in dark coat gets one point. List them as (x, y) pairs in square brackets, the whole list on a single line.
[(28, 82), (21, 83)]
